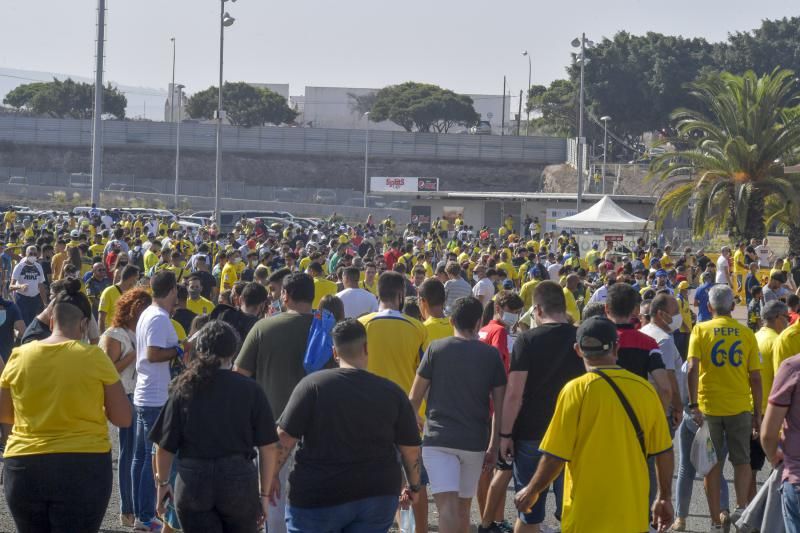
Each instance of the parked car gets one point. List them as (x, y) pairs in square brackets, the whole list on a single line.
[(484, 127), (17, 180), (325, 196)]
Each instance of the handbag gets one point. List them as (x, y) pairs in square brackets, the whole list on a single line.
[(637, 427)]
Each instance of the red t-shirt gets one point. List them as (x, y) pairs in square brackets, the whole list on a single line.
[(390, 258), (495, 334)]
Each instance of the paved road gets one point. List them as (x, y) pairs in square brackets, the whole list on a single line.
[(698, 519)]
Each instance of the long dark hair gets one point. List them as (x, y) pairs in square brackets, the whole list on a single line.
[(217, 340)]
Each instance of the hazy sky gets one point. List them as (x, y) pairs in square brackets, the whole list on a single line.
[(464, 45)]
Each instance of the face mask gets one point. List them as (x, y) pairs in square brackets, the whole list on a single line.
[(237, 260), (253, 263), (509, 319), (676, 322), (30, 259)]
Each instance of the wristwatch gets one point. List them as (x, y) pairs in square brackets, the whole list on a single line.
[(415, 488)]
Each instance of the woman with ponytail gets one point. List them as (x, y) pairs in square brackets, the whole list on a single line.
[(58, 393), (213, 420)]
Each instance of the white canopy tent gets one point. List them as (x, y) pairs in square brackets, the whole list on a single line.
[(604, 215)]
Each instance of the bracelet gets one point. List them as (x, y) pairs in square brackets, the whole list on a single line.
[(263, 495), (161, 483), (506, 435)]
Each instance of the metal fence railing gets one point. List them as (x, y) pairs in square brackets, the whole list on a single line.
[(543, 150)]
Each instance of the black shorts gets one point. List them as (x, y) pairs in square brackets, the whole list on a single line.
[(757, 455)]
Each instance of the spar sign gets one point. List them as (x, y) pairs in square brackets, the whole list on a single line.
[(403, 184)]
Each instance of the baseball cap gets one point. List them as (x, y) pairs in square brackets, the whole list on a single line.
[(74, 234), (596, 334), (683, 285), (508, 284), (661, 273)]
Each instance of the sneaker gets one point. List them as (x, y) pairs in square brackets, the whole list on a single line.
[(127, 520), (505, 526), (679, 525), (493, 528), (152, 526)]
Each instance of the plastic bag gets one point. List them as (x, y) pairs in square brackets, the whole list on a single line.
[(407, 524), (319, 347), (703, 454)]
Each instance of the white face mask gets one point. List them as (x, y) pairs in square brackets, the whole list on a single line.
[(30, 259), (676, 322), (509, 319)]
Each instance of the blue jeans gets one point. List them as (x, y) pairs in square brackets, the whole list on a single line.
[(686, 470), (126, 440), (370, 515), (791, 507), (526, 459), (29, 307), (143, 483)]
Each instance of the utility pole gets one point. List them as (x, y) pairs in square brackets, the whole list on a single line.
[(581, 145), (519, 114), (503, 119), (97, 130)]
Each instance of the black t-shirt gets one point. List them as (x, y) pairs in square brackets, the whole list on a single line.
[(547, 354), (637, 352), (229, 415), (703, 262), (36, 331), (350, 422), (207, 283)]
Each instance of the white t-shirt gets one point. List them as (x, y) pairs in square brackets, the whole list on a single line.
[(127, 339), (152, 379), (669, 351), (484, 287), (763, 253), (722, 270), (358, 302), (30, 275)]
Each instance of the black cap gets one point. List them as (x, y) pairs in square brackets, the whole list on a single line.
[(596, 334)]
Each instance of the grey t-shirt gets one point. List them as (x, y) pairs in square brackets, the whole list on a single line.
[(462, 374), (453, 290)]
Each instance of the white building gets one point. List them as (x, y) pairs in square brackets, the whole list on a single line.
[(178, 96)]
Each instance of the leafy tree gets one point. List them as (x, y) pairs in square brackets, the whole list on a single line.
[(65, 99), (245, 105), (362, 103), (424, 107), (740, 136), (558, 106), (775, 44)]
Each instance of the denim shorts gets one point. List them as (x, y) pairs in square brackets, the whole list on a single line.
[(526, 459)]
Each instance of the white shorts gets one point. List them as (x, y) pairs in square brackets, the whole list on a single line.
[(452, 470)]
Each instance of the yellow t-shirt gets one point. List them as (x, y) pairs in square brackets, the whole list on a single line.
[(526, 292), (666, 262), (179, 331), (371, 288), (591, 257), (572, 306), (395, 342), (108, 303), (728, 352), (437, 328), (591, 431), (787, 345), (509, 269), (201, 306), (738, 262), (322, 288), (58, 396), (96, 250), (228, 276), (150, 259), (766, 338), (304, 263)]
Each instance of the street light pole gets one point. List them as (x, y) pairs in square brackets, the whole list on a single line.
[(527, 103), (97, 131), (172, 85), (580, 43), (178, 144), (605, 120), (366, 161), (224, 20)]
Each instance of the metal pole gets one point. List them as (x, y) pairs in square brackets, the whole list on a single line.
[(519, 114), (605, 152), (527, 104), (218, 171), (172, 86), (580, 125), (178, 147), (97, 133), (503, 119), (366, 161)]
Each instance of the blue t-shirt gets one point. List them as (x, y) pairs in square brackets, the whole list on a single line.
[(9, 314), (701, 297)]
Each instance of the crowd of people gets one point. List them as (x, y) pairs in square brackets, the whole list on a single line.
[(333, 377)]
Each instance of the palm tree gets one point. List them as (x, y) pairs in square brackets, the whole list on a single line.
[(784, 213), (738, 143)]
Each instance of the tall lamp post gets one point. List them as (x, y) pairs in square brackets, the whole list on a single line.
[(225, 21), (605, 120), (366, 160), (178, 142), (528, 93), (172, 85), (97, 130), (581, 43)]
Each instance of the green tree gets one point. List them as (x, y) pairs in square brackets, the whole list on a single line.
[(739, 138), (424, 107), (65, 99), (783, 213), (775, 44), (557, 106), (245, 105), (362, 103)]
